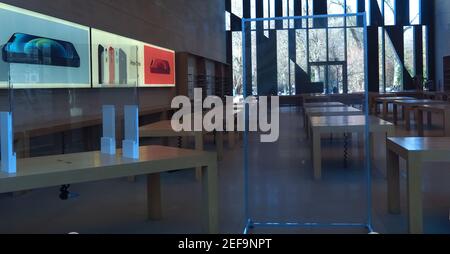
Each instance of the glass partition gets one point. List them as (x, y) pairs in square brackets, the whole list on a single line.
[(307, 167), (5, 88), (57, 118)]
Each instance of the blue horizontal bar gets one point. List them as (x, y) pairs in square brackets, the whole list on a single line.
[(307, 225), (312, 224), (363, 14)]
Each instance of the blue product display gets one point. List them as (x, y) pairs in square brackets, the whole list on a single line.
[(31, 49)]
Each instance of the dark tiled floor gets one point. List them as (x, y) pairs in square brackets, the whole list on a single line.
[(281, 190)]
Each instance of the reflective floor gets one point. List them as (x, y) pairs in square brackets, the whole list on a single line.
[(282, 189)]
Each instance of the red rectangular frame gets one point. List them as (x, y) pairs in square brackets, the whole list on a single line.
[(159, 67)]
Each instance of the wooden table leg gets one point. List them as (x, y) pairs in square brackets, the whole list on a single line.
[(371, 107), (385, 110), (231, 139), (395, 108), (372, 145), (184, 141), (447, 123), (308, 128), (415, 209), (211, 197), (304, 118), (430, 119), (219, 145), (407, 118), (165, 141), (393, 181), (419, 119), (317, 154), (199, 147), (154, 207), (164, 116)]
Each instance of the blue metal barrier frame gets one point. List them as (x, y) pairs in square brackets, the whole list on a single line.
[(250, 224)]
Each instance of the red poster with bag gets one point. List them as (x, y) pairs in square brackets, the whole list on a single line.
[(159, 66)]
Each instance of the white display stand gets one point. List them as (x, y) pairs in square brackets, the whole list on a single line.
[(131, 141), (8, 162), (108, 141)]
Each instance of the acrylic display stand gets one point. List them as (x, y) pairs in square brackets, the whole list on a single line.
[(8, 162), (108, 141), (131, 141)]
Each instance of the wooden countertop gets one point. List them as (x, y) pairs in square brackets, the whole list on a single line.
[(40, 172)]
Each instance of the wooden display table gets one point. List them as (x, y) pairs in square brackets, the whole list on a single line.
[(329, 111), (375, 95), (323, 104), (443, 96), (439, 109), (411, 105), (163, 129), (415, 151), (350, 98), (372, 100), (319, 105), (342, 125), (385, 101), (49, 171)]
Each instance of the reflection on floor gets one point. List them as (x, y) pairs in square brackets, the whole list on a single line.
[(281, 190)]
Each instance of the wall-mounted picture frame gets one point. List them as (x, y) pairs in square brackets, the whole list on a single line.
[(39, 51)]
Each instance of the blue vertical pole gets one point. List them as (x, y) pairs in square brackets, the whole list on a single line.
[(367, 131), (246, 169)]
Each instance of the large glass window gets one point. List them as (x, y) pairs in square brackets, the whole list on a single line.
[(336, 7), (425, 51), (283, 62), (409, 47), (342, 41), (415, 12), (254, 64), (301, 49), (272, 13), (352, 6), (381, 58), (236, 8), (237, 63), (389, 12), (227, 21), (317, 44), (368, 10), (285, 4), (288, 11), (355, 70), (336, 49), (393, 67), (291, 12), (387, 9), (266, 15), (253, 12)]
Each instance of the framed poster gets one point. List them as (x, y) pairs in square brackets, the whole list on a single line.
[(115, 60), (159, 67), (38, 51)]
